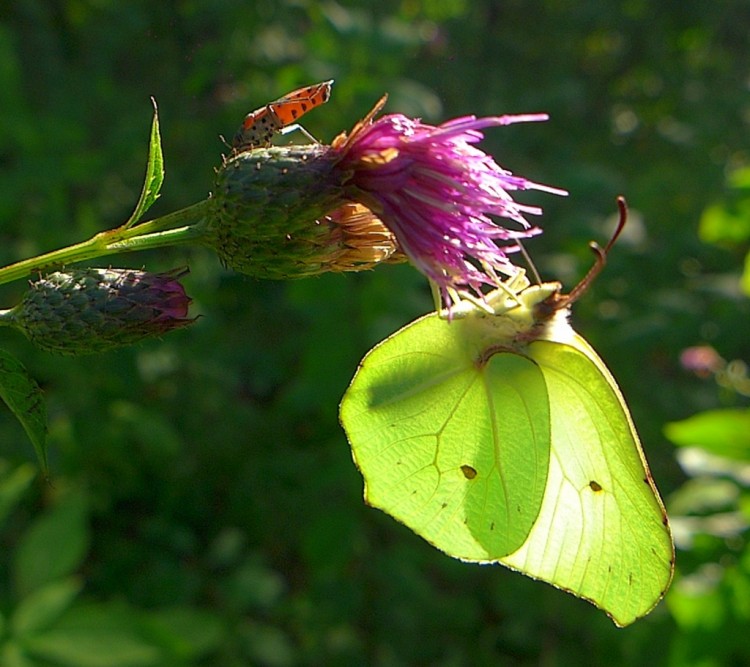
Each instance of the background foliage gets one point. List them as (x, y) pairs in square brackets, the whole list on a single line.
[(204, 508)]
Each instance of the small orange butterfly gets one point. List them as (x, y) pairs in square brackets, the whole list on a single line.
[(260, 125)]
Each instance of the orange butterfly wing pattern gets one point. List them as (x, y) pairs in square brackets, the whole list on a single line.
[(260, 125)]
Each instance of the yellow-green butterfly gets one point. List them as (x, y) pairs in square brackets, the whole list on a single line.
[(500, 436)]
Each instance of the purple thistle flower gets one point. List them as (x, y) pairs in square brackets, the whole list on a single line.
[(436, 191)]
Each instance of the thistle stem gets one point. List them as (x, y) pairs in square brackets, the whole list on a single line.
[(156, 233)]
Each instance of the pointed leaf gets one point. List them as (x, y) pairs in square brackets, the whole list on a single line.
[(154, 172), (26, 401)]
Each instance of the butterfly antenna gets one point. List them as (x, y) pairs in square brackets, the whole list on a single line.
[(600, 260), (529, 263)]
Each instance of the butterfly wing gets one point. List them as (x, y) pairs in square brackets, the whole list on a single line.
[(602, 532), (504, 438), (456, 450)]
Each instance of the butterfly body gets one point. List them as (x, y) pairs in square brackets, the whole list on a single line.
[(279, 116)]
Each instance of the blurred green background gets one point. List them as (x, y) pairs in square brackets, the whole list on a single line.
[(204, 508)]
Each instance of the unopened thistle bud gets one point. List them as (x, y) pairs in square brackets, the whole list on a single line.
[(84, 311)]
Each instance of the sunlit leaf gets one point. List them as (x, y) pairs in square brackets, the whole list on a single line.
[(740, 178), (726, 223), (721, 432), (154, 172)]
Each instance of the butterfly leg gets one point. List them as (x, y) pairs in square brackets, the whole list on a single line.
[(298, 127)]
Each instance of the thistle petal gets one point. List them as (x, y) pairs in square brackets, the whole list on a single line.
[(436, 192)]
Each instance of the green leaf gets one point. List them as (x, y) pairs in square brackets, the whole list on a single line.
[(727, 222), (95, 636), (54, 545), (13, 484), (704, 496), (722, 432), (44, 606), (26, 401), (745, 277), (739, 178), (99, 644), (187, 633), (154, 172), (12, 654), (504, 438)]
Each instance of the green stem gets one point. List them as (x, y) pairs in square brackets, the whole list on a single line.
[(155, 233), (169, 237)]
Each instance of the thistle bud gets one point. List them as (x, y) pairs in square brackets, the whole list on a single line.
[(281, 213), (84, 311)]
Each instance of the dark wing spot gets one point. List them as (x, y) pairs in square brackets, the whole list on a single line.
[(468, 471), (595, 486)]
